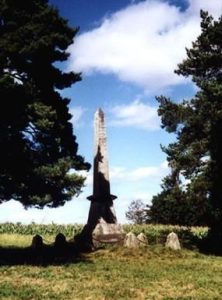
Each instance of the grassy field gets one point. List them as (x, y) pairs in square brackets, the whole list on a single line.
[(114, 273)]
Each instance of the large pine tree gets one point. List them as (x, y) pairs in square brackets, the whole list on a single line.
[(197, 123), (38, 150)]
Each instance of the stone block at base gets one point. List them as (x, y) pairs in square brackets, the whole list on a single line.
[(108, 233)]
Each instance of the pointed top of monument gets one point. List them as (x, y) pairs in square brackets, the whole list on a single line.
[(100, 111)]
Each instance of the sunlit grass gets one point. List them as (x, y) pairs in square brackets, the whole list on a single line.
[(10, 240), (116, 273)]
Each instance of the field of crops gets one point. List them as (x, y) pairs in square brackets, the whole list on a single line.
[(156, 234), (41, 229)]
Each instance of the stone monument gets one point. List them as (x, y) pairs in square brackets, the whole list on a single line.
[(172, 241), (102, 223), (101, 200)]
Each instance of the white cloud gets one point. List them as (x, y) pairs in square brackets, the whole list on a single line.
[(165, 165), (214, 7), (118, 173), (77, 113), (13, 211), (144, 172), (142, 43), (144, 196), (87, 175), (131, 184), (138, 174), (136, 114)]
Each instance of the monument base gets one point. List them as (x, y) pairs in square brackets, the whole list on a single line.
[(104, 233), (107, 233)]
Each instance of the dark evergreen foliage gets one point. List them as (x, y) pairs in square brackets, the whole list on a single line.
[(38, 147), (197, 123)]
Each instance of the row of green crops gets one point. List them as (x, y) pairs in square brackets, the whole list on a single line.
[(156, 234), (41, 229)]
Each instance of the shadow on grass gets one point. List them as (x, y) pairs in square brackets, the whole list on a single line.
[(44, 256), (212, 243)]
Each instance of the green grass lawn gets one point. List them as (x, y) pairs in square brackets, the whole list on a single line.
[(115, 273)]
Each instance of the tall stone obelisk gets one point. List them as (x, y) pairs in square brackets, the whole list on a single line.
[(101, 208), (101, 211)]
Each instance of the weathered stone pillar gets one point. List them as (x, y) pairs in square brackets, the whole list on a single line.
[(101, 200), (101, 211)]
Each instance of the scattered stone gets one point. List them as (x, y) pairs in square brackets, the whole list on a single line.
[(131, 241), (37, 242), (142, 239), (172, 241)]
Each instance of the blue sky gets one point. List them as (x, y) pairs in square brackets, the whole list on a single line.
[(127, 51)]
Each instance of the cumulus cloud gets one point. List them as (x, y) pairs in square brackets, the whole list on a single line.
[(136, 114), (13, 211), (118, 173), (138, 174), (142, 43), (214, 7)]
